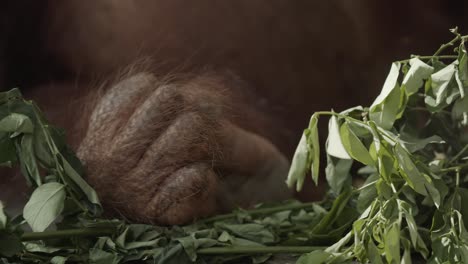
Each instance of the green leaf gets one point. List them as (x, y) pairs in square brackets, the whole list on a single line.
[(337, 173), (171, 254), (416, 240), (335, 146), (307, 155), (316, 257), (462, 73), (463, 193), (98, 256), (3, 217), (44, 206), (415, 144), (410, 172), (313, 138), (58, 260), (374, 254), (28, 159), (385, 157), (16, 123), (337, 208), (368, 194), (433, 193), (392, 244), (40, 247), (418, 72), (460, 111), (354, 146), (90, 193), (253, 232), (407, 252)]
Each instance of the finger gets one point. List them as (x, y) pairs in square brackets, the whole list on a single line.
[(190, 138), (149, 119), (118, 103), (190, 193)]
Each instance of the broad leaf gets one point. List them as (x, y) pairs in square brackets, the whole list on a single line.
[(354, 146), (44, 206), (16, 123)]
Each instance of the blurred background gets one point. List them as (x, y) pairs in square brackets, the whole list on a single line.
[(291, 52)]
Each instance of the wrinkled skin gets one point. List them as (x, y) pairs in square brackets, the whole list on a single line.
[(203, 101)]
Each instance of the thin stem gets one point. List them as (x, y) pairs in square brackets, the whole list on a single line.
[(446, 45), (459, 154), (442, 57), (259, 211), (82, 232), (35, 257), (256, 250), (53, 147), (456, 168), (365, 186)]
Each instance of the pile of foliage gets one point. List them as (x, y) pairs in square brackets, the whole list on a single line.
[(410, 146)]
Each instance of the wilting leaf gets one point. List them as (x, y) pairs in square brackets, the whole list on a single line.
[(300, 164), (314, 142), (418, 72), (443, 90), (385, 108), (307, 156), (335, 146), (389, 85)]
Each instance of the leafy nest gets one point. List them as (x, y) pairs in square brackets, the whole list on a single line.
[(410, 145)]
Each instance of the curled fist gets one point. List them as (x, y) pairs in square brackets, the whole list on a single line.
[(170, 151)]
